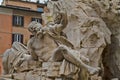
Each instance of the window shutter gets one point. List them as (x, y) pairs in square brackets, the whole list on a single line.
[(13, 20), (21, 38), (12, 38), (33, 19), (18, 20), (17, 37), (22, 21)]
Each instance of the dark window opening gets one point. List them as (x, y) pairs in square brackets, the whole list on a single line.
[(17, 37), (18, 20)]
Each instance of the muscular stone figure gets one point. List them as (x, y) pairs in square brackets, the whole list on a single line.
[(14, 57), (47, 44)]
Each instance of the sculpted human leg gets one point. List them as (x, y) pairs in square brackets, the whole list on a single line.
[(63, 52)]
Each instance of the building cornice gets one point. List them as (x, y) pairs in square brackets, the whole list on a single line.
[(22, 9)]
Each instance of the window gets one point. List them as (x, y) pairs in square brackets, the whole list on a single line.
[(37, 1), (40, 9), (17, 37), (37, 19), (18, 20)]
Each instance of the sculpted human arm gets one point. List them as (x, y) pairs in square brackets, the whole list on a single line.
[(61, 22)]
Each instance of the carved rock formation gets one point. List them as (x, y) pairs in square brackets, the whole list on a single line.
[(74, 43)]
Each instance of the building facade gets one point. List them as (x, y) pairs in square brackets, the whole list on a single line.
[(15, 15)]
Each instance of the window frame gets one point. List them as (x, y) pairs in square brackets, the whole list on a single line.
[(17, 37), (18, 20)]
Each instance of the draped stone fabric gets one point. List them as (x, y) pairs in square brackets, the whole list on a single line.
[(12, 58)]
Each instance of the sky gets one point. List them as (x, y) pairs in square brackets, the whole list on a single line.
[(31, 0), (0, 1), (40, 0)]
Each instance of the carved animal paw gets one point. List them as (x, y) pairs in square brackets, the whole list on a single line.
[(93, 70)]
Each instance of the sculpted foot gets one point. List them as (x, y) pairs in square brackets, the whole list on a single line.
[(93, 70)]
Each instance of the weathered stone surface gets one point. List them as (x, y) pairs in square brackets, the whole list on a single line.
[(58, 79), (55, 55), (9, 76), (19, 76), (6, 79), (51, 69), (33, 75), (115, 79), (109, 11)]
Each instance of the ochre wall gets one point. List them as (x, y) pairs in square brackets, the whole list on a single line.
[(22, 4), (6, 27), (27, 19), (5, 34)]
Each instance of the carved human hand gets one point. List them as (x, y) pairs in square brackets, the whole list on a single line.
[(93, 70), (84, 59)]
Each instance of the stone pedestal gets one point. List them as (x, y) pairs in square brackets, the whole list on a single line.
[(51, 69)]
